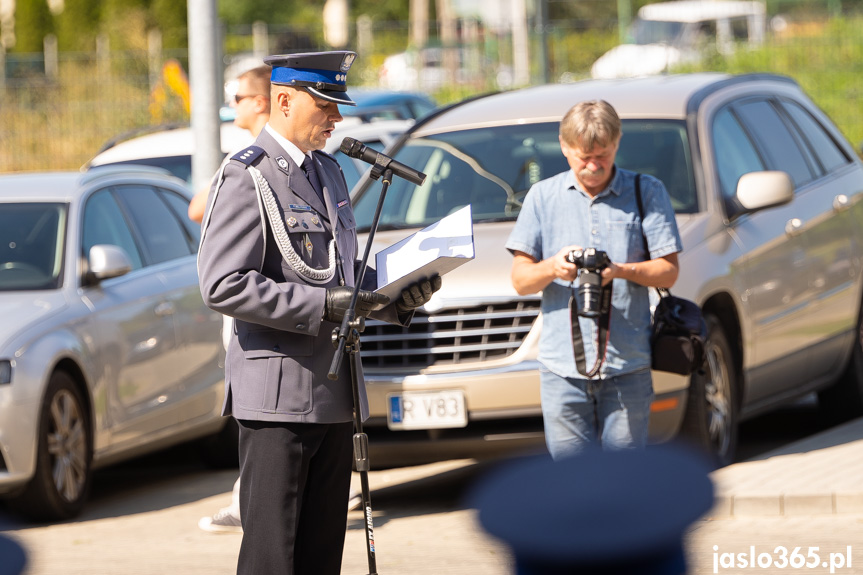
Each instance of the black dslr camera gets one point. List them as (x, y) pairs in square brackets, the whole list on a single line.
[(591, 262)]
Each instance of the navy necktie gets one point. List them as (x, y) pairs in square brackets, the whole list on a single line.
[(312, 174)]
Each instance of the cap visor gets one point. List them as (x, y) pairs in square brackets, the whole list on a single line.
[(332, 96)]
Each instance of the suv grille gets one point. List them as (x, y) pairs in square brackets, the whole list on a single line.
[(452, 336)]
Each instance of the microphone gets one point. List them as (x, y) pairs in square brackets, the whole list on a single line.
[(355, 149)]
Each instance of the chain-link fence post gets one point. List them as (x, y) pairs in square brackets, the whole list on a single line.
[(52, 67)]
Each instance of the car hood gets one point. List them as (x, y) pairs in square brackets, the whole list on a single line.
[(485, 278), (630, 60), (22, 309)]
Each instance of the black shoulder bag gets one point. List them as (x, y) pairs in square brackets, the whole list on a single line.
[(679, 331)]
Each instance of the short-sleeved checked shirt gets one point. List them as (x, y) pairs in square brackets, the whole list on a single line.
[(558, 213)]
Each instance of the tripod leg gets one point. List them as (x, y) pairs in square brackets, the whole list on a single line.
[(361, 460)]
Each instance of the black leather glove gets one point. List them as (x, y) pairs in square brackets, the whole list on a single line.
[(338, 299), (418, 294)]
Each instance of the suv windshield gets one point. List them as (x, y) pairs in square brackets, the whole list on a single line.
[(31, 246), (493, 168), (656, 32)]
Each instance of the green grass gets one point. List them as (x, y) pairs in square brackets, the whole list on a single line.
[(60, 123)]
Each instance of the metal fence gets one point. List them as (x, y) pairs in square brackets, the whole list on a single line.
[(58, 109)]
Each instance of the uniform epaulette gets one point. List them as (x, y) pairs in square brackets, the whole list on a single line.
[(248, 155)]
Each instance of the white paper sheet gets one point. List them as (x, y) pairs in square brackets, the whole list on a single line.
[(434, 250)]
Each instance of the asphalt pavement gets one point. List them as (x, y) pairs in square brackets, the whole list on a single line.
[(148, 523)]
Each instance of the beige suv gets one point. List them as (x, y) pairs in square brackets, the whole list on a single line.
[(775, 267)]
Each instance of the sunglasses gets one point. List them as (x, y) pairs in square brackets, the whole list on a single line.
[(238, 97)]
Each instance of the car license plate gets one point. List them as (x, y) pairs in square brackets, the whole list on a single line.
[(426, 410)]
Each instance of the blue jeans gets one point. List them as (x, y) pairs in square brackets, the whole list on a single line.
[(612, 412)]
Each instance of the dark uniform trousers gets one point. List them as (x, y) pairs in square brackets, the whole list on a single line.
[(316, 473)]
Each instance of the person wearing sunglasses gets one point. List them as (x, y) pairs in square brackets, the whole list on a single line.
[(252, 104)]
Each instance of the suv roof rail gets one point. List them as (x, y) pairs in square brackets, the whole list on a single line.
[(96, 172)]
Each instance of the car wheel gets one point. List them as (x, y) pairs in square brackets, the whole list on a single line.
[(844, 399), (61, 483), (710, 420)]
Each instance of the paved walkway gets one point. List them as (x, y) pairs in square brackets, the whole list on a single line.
[(822, 474), (150, 527)]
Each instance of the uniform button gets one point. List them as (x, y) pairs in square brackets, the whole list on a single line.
[(301, 326), (276, 348)]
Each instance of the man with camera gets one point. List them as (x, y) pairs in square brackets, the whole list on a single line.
[(584, 225)]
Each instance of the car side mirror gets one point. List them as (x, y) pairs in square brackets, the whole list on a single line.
[(106, 261), (760, 190)]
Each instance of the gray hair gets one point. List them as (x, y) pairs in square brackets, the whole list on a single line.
[(590, 124)]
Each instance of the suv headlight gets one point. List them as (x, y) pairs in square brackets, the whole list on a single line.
[(5, 371)]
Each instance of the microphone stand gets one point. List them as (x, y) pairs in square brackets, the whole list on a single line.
[(347, 339)]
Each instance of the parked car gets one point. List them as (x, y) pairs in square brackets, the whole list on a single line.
[(372, 105), (172, 148), (168, 147), (375, 105), (106, 348), (774, 265), (666, 34)]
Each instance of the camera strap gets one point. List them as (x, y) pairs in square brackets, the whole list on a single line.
[(602, 323)]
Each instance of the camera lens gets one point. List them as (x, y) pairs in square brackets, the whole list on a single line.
[(590, 288)]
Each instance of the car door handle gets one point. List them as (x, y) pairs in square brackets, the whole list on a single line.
[(164, 309), (794, 226), (840, 203)]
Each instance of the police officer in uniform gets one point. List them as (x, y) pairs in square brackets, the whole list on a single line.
[(279, 254)]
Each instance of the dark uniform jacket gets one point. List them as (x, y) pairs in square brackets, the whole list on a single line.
[(281, 350)]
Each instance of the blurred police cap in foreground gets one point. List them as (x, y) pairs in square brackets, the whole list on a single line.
[(12, 557), (599, 512)]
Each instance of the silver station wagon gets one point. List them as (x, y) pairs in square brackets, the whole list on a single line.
[(767, 195), (106, 348)]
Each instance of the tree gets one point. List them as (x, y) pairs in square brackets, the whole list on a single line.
[(33, 21), (77, 25), (240, 12), (382, 10), (125, 23), (171, 18)]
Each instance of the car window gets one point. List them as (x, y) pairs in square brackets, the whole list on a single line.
[(656, 32), (180, 207), (353, 169), (104, 223), (661, 149), (420, 108), (489, 168), (777, 143), (493, 168), (31, 245), (735, 154), (740, 29), (820, 143), (160, 232)]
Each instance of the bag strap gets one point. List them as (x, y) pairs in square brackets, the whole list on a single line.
[(640, 210), (663, 292)]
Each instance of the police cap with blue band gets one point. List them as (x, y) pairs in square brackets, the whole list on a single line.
[(323, 74)]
